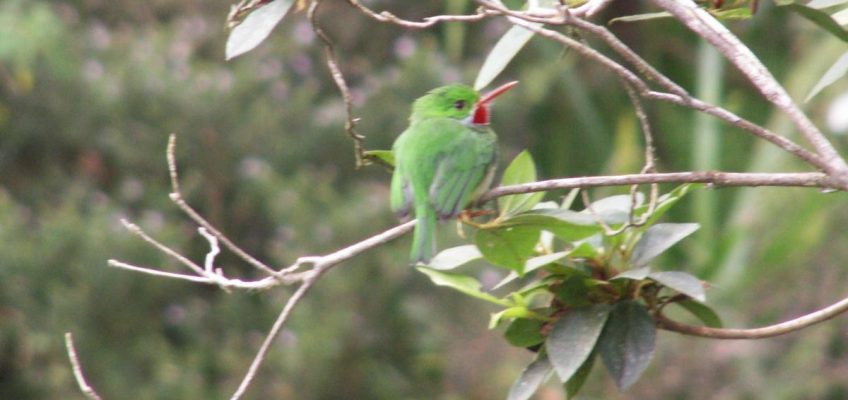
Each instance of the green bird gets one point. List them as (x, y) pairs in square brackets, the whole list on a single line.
[(444, 160)]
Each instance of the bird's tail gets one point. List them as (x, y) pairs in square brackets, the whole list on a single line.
[(424, 238)]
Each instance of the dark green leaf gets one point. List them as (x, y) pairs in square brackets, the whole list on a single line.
[(530, 379), (682, 282), (836, 71), (514, 312), (579, 378), (702, 312), (256, 27), (462, 283), (658, 239), (574, 290), (520, 170), (454, 257), (820, 18), (573, 338), (524, 332), (508, 247), (634, 274), (627, 343)]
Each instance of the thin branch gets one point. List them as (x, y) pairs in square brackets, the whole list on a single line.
[(756, 333), (177, 197), (339, 79), (388, 17), (86, 389), (631, 78), (162, 247), (272, 334), (714, 178), (159, 273), (709, 28)]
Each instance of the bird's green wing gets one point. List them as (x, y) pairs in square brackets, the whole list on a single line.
[(460, 169), (401, 199)]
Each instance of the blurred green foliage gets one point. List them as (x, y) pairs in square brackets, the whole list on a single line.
[(89, 91)]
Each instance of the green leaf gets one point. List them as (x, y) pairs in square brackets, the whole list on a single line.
[(256, 27), (502, 53), (702, 312), (820, 18), (520, 170), (627, 343), (384, 157), (836, 71), (579, 378), (682, 282), (658, 239), (524, 332), (508, 247), (614, 209), (454, 257), (640, 17), (733, 13), (666, 201), (462, 283), (634, 274), (565, 224), (514, 312), (533, 376), (574, 290), (573, 337), (531, 265)]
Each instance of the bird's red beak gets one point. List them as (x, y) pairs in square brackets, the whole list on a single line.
[(481, 111)]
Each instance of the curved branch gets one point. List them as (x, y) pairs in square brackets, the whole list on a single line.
[(757, 333)]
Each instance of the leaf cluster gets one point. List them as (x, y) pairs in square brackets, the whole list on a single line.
[(578, 284)]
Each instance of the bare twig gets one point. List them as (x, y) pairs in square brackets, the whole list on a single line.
[(339, 79), (177, 197), (707, 27), (388, 17), (272, 334), (85, 388), (782, 328)]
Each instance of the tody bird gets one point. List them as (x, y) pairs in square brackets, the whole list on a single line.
[(444, 160)]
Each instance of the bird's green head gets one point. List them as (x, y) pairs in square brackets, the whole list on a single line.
[(456, 101)]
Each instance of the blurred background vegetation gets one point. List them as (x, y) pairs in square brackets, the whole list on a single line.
[(90, 89)]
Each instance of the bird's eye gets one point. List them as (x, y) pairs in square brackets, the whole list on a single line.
[(459, 104)]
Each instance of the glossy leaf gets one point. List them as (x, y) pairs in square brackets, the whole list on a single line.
[(256, 27), (573, 338), (658, 239), (627, 343), (454, 257), (462, 283), (521, 170), (614, 209), (666, 201), (533, 376), (820, 18), (508, 247), (836, 71), (524, 332), (682, 282), (579, 378), (702, 312), (502, 53), (565, 224), (514, 312)]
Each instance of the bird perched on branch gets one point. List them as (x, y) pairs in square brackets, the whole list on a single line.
[(444, 160)]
